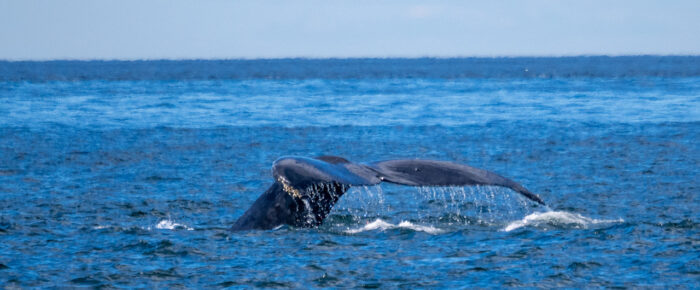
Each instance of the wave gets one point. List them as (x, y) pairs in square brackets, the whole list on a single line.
[(380, 224), (162, 225), (171, 225), (557, 218)]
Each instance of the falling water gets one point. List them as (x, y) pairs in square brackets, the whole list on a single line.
[(433, 206)]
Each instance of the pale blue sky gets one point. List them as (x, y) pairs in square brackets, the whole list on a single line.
[(138, 29)]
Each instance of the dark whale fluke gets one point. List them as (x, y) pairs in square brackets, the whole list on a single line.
[(306, 189)]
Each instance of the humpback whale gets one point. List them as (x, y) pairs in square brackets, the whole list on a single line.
[(305, 189)]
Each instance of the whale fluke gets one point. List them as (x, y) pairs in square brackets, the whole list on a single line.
[(436, 173), (305, 189)]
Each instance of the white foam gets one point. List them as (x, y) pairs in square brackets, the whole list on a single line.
[(171, 225), (558, 218), (162, 225), (382, 225)]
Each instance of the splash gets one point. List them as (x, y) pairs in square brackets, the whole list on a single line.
[(364, 201), (171, 225), (162, 225), (380, 224), (558, 218)]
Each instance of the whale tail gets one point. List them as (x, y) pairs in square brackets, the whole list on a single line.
[(306, 189)]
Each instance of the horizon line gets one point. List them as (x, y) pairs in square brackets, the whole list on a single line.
[(345, 58)]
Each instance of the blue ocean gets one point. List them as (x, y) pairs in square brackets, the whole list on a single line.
[(131, 173)]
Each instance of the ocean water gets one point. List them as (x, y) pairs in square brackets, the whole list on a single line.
[(130, 174)]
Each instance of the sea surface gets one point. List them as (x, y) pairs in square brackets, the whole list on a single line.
[(130, 173)]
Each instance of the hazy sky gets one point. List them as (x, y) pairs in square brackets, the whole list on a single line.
[(139, 29)]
